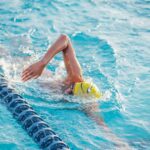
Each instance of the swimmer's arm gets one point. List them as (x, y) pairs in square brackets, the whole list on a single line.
[(96, 118), (59, 45), (91, 111), (36, 69)]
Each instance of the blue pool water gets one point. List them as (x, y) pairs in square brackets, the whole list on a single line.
[(111, 39)]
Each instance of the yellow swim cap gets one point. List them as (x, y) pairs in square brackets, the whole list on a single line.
[(86, 89)]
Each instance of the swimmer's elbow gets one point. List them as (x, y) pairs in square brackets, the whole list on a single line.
[(64, 37)]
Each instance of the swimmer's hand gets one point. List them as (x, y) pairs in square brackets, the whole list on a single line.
[(33, 71)]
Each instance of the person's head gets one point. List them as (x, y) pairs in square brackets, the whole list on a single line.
[(86, 89)]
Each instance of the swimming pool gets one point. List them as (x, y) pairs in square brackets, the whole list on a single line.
[(112, 44)]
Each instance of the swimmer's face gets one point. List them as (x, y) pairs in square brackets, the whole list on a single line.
[(68, 91)]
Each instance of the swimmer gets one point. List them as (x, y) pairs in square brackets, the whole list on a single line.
[(75, 84)]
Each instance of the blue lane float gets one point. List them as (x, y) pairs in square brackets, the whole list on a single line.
[(35, 126)]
